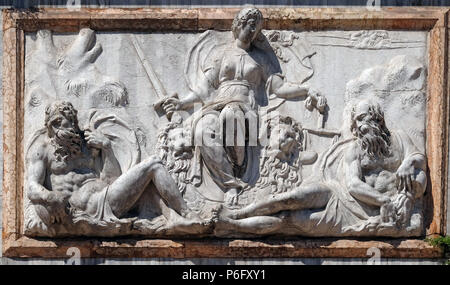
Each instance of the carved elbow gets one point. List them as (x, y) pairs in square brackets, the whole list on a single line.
[(32, 194), (353, 187)]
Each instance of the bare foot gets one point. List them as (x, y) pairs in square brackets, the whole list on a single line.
[(156, 225), (226, 213), (195, 226)]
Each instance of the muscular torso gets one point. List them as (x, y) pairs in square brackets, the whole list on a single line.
[(380, 173), (80, 176), (389, 163), (70, 175)]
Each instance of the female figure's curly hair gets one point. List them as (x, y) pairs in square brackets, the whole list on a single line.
[(243, 16)]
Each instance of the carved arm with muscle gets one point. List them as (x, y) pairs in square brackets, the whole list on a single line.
[(288, 90), (412, 169), (108, 166), (54, 202), (355, 185)]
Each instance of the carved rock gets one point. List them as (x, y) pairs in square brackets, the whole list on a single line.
[(248, 133)]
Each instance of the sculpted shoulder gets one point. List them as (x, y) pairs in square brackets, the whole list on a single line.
[(352, 153), (400, 140), (38, 147)]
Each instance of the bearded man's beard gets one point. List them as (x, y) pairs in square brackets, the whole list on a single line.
[(67, 144), (375, 141)]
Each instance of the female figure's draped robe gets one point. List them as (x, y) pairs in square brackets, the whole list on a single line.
[(241, 82)]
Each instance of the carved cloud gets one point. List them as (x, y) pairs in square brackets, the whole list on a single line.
[(399, 86)]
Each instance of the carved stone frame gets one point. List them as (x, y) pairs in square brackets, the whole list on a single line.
[(16, 23)]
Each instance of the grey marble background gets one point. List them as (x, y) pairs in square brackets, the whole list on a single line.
[(4, 260)]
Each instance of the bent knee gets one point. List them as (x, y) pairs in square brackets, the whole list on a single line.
[(314, 189), (420, 181), (231, 113), (207, 128)]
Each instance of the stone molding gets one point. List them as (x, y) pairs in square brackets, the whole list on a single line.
[(16, 23)]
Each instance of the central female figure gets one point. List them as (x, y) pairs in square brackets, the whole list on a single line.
[(239, 79)]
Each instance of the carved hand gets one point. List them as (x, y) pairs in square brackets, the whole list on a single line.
[(171, 105), (57, 204), (387, 211), (405, 176), (321, 103), (231, 198), (315, 99), (96, 139), (403, 204)]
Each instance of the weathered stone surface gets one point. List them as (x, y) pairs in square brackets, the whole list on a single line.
[(123, 248), (344, 84), (222, 261)]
